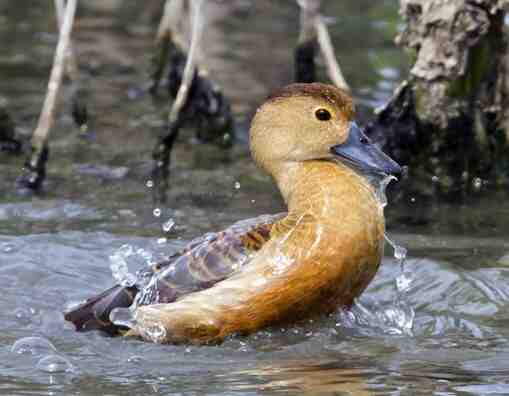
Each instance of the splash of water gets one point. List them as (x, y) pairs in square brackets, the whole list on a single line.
[(168, 225), (380, 183), (401, 313), (119, 268), (398, 318), (129, 256)]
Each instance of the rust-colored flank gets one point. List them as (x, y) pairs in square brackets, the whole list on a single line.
[(284, 268)]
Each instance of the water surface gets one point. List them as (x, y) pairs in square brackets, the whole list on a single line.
[(55, 248)]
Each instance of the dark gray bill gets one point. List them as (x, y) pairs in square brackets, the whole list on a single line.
[(360, 152)]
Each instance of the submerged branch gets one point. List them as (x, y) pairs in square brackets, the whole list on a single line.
[(169, 33), (305, 51), (190, 68), (313, 33), (8, 142), (328, 53), (79, 105), (175, 117), (36, 163)]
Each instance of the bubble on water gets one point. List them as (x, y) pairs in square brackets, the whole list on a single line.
[(156, 212), (122, 317), (149, 183), (24, 314), (135, 359), (54, 364), (168, 225), (237, 185), (162, 241), (8, 247), (32, 346)]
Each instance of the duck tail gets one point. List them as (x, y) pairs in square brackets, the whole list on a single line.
[(94, 313)]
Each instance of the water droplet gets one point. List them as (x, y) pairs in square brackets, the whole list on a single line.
[(54, 364), (435, 179), (237, 185), (477, 183), (399, 252), (168, 225), (149, 183), (32, 346), (403, 283), (157, 212), (21, 313)]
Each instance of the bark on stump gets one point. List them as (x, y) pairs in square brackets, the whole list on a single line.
[(449, 121)]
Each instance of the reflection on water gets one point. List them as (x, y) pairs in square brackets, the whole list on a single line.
[(54, 248)]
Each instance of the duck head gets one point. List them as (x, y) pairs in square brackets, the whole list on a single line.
[(303, 122)]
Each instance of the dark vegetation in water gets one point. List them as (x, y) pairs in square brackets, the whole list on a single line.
[(8, 141), (449, 121), (206, 109)]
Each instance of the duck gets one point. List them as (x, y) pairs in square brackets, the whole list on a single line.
[(277, 269)]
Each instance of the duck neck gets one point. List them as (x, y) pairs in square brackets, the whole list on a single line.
[(329, 191)]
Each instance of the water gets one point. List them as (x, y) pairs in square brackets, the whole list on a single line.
[(54, 249)]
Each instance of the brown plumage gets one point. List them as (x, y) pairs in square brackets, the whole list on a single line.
[(318, 257), (202, 263)]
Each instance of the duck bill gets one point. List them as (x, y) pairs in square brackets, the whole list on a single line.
[(360, 152)]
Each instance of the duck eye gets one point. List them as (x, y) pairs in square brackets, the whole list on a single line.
[(323, 114)]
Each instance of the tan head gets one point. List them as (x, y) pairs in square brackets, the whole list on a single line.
[(303, 122), (300, 122)]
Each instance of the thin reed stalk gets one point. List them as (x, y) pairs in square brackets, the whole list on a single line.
[(36, 164)]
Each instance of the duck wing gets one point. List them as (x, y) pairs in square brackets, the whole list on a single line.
[(201, 264)]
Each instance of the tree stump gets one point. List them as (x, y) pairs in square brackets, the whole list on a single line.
[(449, 121)]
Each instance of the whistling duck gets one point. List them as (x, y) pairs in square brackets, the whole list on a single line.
[(272, 269)]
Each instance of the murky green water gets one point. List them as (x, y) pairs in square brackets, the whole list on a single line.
[(54, 248)]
